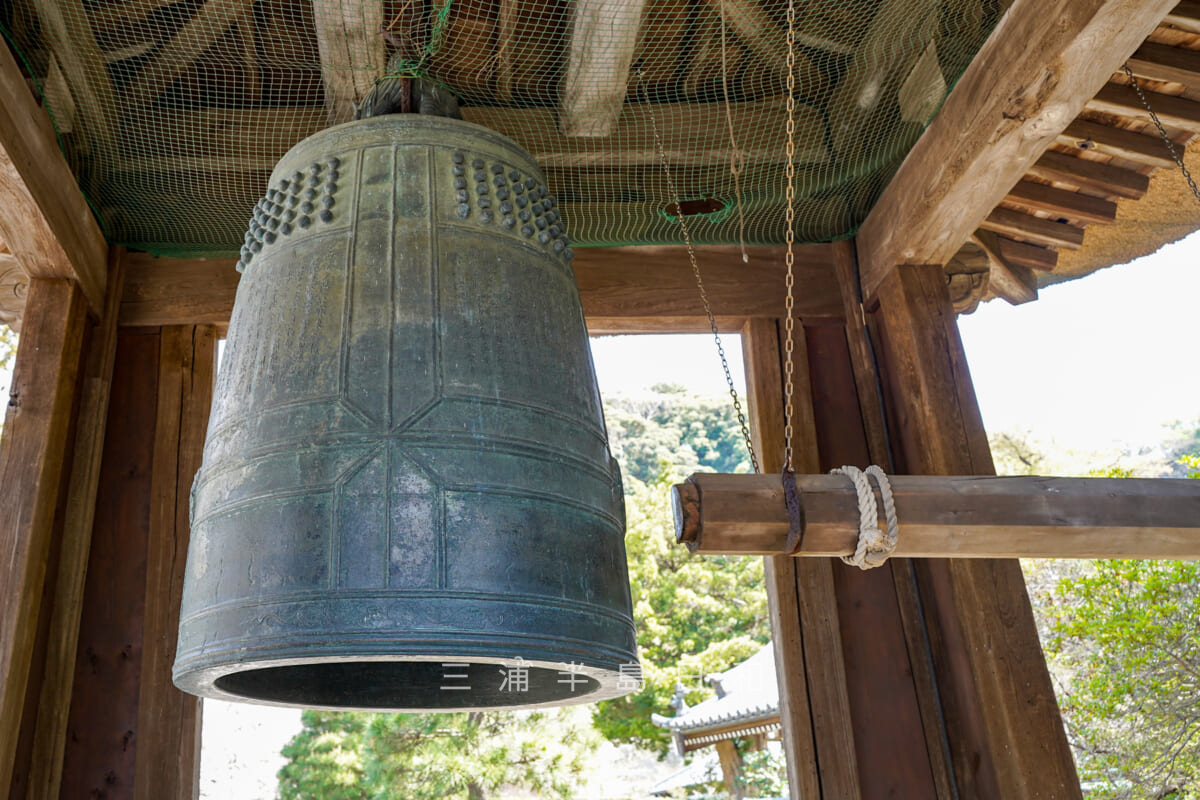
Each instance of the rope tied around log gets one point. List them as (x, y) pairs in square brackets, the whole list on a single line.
[(874, 545)]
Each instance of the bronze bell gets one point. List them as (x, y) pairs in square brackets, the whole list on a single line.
[(407, 499)]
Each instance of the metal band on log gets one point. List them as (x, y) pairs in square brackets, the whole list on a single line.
[(948, 517)]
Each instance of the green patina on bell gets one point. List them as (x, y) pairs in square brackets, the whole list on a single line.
[(407, 499)]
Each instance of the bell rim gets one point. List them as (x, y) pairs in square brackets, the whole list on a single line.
[(204, 681)]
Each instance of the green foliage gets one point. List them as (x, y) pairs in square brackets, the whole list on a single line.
[(362, 756), (8, 351), (1126, 638), (695, 616), (674, 429), (8, 346), (764, 774)]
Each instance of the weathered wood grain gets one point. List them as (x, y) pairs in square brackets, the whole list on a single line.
[(1035, 73), (33, 462), (351, 48), (1007, 739), (623, 289), (46, 222), (169, 720), (54, 704), (604, 34), (765, 412)]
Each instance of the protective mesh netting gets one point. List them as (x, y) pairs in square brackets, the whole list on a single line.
[(172, 114)]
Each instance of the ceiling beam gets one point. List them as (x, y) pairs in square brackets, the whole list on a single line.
[(623, 289), (604, 34), (1042, 64), (45, 222), (174, 58), (351, 46)]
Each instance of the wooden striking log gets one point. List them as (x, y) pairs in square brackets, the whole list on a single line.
[(948, 517)]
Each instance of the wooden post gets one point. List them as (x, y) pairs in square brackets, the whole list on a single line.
[(731, 768), (804, 620), (54, 703), (34, 450), (1004, 727), (131, 734)]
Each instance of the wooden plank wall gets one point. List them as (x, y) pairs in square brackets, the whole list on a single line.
[(131, 733)]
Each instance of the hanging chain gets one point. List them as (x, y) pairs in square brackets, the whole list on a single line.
[(1171, 148), (790, 258), (712, 322)]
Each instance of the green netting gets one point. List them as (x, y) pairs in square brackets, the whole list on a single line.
[(172, 114)]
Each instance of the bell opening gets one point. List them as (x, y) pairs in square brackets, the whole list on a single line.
[(409, 685)]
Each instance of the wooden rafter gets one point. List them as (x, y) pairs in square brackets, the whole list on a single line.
[(1033, 76), (604, 34), (46, 223), (1118, 142), (210, 22), (71, 38), (1175, 112)]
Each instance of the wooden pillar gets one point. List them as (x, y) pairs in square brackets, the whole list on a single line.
[(814, 700), (130, 732), (731, 768), (1004, 728), (45, 762), (922, 679), (35, 448)]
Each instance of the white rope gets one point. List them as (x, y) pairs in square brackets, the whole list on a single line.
[(874, 545)]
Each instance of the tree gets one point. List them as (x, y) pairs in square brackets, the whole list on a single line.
[(363, 756), (677, 429), (695, 615), (1125, 644)]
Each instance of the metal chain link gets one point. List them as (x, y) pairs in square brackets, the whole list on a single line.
[(790, 258), (712, 322), (1162, 131)]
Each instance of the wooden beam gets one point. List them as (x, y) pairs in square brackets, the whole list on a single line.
[(1062, 203), (1185, 16), (69, 36), (1014, 283), (46, 223), (1035, 230), (1161, 62), (1034, 74), (604, 34), (623, 289), (1175, 112), (1090, 175), (254, 139), (32, 462), (352, 51), (54, 703), (1118, 142), (948, 517), (198, 34), (1027, 255)]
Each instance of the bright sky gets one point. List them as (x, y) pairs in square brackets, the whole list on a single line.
[(1105, 359)]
